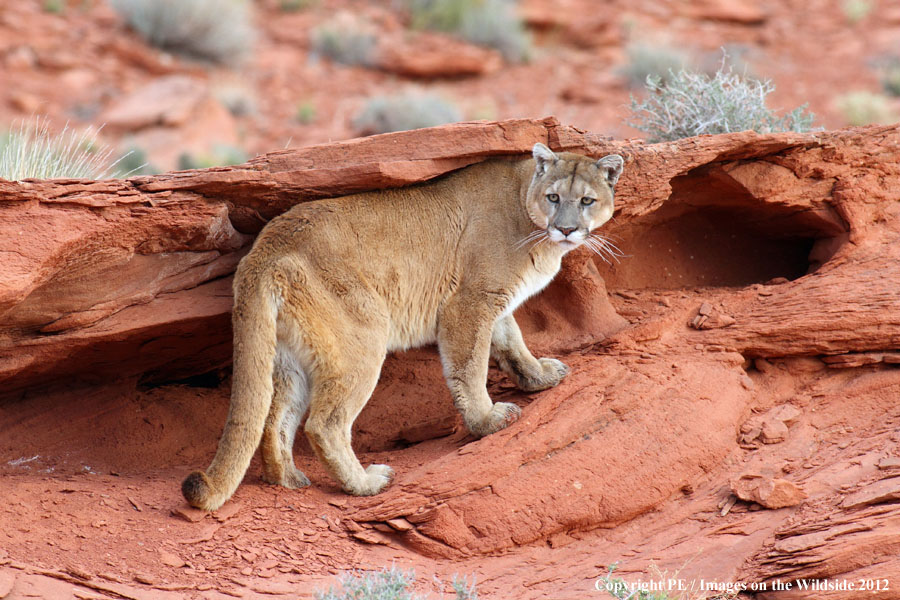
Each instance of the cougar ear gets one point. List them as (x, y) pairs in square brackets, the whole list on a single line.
[(612, 165), (543, 157)]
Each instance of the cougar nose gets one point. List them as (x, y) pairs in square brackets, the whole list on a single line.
[(566, 230)]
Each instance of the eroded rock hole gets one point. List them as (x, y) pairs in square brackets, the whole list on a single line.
[(714, 231)]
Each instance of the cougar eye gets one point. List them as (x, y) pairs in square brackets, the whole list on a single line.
[(588, 201), (554, 198)]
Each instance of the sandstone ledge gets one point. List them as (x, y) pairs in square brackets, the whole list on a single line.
[(78, 254)]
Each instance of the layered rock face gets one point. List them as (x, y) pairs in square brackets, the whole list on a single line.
[(792, 240)]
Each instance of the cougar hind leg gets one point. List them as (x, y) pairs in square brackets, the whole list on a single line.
[(340, 389), (289, 403)]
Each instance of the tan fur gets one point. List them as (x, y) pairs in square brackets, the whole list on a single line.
[(331, 287)]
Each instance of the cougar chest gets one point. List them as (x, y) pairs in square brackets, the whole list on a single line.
[(535, 278)]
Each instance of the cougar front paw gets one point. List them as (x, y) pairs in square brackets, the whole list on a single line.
[(377, 478), (552, 372), (502, 415)]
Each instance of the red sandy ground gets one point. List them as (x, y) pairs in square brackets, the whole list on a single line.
[(91, 496)]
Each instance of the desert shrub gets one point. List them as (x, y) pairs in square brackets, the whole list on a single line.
[(31, 151), (644, 60), (464, 590), (890, 77), (220, 31), (295, 5), (692, 103), (856, 10), (135, 162), (306, 112), (384, 114), (387, 584), (237, 97), (345, 39), (491, 23), (618, 588), (220, 156), (54, 6), (864, 108)]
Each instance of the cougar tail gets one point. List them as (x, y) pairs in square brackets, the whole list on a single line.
[(255, 324)]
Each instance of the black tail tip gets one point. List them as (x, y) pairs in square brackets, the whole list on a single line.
[(195, 489)]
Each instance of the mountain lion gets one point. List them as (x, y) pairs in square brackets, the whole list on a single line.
[(330, 287)]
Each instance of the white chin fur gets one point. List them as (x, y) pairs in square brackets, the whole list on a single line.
[(556, 235)]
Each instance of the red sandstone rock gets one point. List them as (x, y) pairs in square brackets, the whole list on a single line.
[(177, 235), (431, 55), (652, 410), (171, 116), (738, 11)]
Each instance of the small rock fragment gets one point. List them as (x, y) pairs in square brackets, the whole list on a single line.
[(272, 588), (171, 560), (767, 491), (889, 462), (773, 431), (7, 581), (787, 414), (76, 571), (204, 534), (726, 320), (729, 504), (189, 514), (352, 526), (705, 309), (856, 359), (884, 490), (750, 436), (400, 524), (370, 536), (227, 511)]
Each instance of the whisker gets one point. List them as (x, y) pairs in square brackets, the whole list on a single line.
[(592, 244), (609, 245), (529, 238)]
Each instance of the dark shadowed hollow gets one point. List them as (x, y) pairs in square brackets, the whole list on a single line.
[(712, 232)]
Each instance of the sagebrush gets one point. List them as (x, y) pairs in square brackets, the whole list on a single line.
[(491, 23), (689, 103), (862, 107), (220, 31), (221, 155), (346, 39), (646, 60), (384, 114), (890, 77), (32, 151), (388, 584)]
